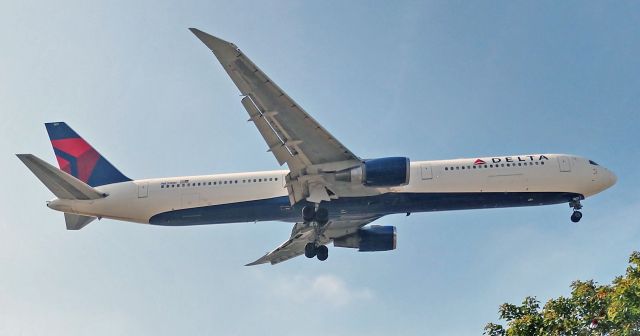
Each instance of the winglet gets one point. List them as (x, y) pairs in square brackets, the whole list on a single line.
[(222, 49)]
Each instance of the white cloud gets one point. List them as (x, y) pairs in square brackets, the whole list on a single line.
[(325, 288)]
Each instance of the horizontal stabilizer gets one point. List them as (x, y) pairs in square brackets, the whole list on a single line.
[(77, 222), (61, 184)]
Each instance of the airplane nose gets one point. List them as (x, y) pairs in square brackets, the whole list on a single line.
[(612, 178)]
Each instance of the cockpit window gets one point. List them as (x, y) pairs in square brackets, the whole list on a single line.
[(593, 163)]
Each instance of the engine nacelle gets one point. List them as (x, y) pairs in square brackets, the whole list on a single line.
[(383, 172), (370, 239)]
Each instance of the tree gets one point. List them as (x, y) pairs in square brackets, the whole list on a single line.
[(591, 309)]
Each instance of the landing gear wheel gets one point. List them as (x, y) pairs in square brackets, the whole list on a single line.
[(322, 216), (576, 216), (576, 206), (322, 252), (308, 213), (310, 250)]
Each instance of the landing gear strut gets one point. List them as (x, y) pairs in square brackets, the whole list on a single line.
[(317, 214), (577, 215), (317, 217)]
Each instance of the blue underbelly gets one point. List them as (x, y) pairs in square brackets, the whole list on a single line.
[(279, 209)]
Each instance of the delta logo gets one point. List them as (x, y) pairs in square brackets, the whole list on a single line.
[(512, 159)]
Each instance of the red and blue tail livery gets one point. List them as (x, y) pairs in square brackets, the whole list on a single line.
[(76, 157)]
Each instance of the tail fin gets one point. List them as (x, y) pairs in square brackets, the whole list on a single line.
[(76, 157)]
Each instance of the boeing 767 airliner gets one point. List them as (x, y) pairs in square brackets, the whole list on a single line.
[(330, 193)]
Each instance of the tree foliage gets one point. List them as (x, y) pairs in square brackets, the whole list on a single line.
[(591, 309)]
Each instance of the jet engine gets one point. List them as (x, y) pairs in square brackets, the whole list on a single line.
[(370, 239), (382, 172)]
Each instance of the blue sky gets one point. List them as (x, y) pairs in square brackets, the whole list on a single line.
[(430, 80)]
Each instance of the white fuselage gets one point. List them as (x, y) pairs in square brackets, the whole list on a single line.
[(525, 175)]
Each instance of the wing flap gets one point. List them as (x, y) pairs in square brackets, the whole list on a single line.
[(276, 145)]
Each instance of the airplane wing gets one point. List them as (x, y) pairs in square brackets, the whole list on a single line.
[(291, 134), (302, 234)]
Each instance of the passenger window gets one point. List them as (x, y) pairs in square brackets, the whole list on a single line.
[(542, 162), (446, 168), (502, 164), (276, 178), (536, 163)]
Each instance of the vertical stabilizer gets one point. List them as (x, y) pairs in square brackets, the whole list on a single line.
[(79, 159)]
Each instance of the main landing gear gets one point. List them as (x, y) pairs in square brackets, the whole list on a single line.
[(577, 215), (320, 217), (320, 251)]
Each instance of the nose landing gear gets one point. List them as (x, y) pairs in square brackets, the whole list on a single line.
[(576, 216)]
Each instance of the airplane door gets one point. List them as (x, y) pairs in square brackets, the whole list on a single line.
[(565, 164), (426, 172), (143, 190)]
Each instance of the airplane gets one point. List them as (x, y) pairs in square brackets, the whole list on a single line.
[(330, 193)]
